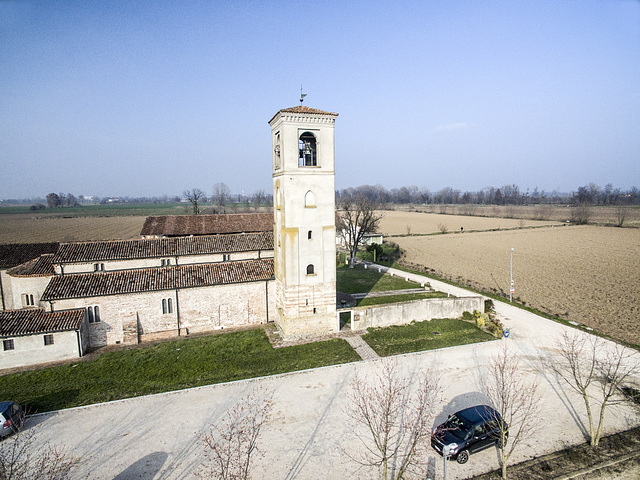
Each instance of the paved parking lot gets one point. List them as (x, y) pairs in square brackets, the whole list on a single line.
[(153, 437)]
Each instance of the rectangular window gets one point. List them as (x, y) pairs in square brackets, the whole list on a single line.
[(226, 257), (167, 306), (28, 300), (93, 314), (8, 344), (48, 339), (96, 267)]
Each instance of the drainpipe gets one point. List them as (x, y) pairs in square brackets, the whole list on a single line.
[(2, 292), (178, 312), (266, 297)]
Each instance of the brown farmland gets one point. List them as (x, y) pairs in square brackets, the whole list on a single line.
[(24, 228), (403, 223), (587, 274)]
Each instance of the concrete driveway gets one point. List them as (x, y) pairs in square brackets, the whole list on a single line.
[(153, 437)]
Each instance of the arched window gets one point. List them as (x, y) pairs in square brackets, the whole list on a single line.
[(307, 150), (310, 269), (309, 199)]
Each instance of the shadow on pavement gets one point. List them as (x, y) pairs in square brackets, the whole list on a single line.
[(146, 467)]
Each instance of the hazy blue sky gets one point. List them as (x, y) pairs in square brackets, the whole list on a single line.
[(151, 98)]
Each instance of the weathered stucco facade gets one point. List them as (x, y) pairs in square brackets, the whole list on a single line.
[(304, 217)]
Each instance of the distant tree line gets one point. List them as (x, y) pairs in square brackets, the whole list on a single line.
[(506, 195)]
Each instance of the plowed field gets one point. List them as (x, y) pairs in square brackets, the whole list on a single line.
[(30, 228), (584, 273)]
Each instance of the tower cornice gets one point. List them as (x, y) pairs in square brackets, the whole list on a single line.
[(304, 114)]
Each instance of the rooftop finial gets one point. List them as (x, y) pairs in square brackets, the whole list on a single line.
[(302, 95)]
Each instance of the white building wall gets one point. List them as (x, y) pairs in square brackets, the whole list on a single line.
[(31, 350), (7, 294), (112, 265), (21, 286)]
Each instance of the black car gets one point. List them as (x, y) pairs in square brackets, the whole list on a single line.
[(11, 418), (468, 431)]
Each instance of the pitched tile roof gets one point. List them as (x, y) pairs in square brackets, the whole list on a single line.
[(38, 267), (303, 109), (183, 225), (25, 322), (156, 279), (14, 254), (162, 247)]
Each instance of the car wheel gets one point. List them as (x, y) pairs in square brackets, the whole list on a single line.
[(463, 456)]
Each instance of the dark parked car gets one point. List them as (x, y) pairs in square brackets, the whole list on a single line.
[(467, 431), (11, 418)]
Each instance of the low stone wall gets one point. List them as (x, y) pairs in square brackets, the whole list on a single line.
[(406, 312)]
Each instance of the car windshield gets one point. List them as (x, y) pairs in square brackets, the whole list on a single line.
[(457, 426)]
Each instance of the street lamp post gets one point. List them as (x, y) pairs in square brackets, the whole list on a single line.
[(511, 289)]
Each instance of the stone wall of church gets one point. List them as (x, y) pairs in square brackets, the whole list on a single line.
[(138, 317)]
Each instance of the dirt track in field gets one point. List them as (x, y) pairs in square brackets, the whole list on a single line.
[(584, 273), (31, 228)]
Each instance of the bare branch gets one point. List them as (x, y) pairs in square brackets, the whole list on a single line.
[(195, 196), (391, 424), (354, 219), (516, 401), (231, 446), (596, 370)]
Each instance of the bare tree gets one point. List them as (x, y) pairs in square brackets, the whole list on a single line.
[(393, 426), (516, 401), (354, 218), (21, 460), (221, 195), (597, 371), (258, 198), (621, 214), (53, 200), (231, 445), (195, 196)]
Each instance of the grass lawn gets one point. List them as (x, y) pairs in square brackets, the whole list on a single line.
[(365, 302), (419, 336), (166, 366), (359, 280)]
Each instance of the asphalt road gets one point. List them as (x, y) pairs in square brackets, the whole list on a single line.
[(153, 437)]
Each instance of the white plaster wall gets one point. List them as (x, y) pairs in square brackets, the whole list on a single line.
[(31, 350), (418, 310), (6, 290), (26, 285), (111, 265)]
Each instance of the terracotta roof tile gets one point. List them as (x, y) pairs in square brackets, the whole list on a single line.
[(183, 225), (154, 279), (162, 247), (14, 254), (25, 322), (38, 267)]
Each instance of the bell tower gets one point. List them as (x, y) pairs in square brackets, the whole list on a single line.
[(304, 220)]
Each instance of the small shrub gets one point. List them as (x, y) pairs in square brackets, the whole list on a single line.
[(467, 315), (443, 228)]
